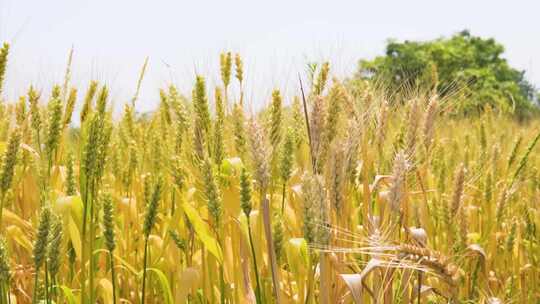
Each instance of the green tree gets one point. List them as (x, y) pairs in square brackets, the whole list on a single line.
[(465, 63)]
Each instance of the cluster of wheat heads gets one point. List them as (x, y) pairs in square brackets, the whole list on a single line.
[(340, 195)]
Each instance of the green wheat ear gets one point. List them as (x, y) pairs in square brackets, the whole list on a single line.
[(524, 158), (278, 235), (3, 64), (511, 238), (181, 116), (71, 184), (245, 192), (20, 111), (430, 114), (54, 123), (459, 182), (152, 206), (55, 243), (35, 116), (336, 98), (239, 130), (239, 68), (7, 169), (177, 102), (200, 103), (314, 209), (88, 99), (165, 107), (91, 149), (9, 161), (225, 60), (219, 146), (298, 123), (150, 217), (286, 163), (40, 245), (212, 193), (5, 272), (515, 149), (260, 155), (70, 106), (178, 241), (322, 78), (108, 222), (275, 118), (101, 103)]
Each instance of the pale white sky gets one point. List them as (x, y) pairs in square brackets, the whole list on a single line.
[(276, 38)]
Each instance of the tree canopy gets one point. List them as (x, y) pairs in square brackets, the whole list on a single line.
[(471, 65)]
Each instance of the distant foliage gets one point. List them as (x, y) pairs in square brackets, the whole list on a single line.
[(462, 64)]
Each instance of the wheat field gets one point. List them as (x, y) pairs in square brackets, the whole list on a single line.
[(341, 194)]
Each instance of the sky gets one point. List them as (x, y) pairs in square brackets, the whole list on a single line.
[(112, 38)]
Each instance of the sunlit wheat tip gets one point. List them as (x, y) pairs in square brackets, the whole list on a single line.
[(88, 101)]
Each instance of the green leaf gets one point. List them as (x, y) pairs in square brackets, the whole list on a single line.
[(203, 232), (75, 236), (124, 263), (230, 165), (164, 284), (68, 294), (297, 253)]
